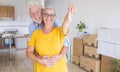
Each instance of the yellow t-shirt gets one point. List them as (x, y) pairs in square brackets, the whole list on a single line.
[(48, 45)]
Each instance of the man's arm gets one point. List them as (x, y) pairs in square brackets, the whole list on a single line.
[(57, 57), (66, 42), (30, 54), (64, 49)]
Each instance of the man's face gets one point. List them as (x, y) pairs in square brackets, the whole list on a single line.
[(35, 13)]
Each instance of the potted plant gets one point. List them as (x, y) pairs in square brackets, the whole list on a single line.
[(81, 26), (116, 65)]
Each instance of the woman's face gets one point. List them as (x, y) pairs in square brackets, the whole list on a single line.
[(49, 16)]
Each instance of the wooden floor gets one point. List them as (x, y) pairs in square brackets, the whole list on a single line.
[(20, 63)]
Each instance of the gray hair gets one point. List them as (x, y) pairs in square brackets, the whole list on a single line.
[(50, 7), (31, 4)]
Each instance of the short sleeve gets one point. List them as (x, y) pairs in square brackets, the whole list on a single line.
[(31, 28), (61, 32), (32, 39), (66, 42)]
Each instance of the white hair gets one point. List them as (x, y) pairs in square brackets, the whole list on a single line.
[(31, 4), (50, 7)]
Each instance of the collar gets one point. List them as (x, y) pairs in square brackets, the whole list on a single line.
[(36, 25)]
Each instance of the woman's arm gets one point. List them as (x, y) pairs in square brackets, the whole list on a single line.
[(68, 18)]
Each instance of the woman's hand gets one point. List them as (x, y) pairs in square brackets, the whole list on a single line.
[(50, 61), (56, 58), (71, 11), (46, 61)]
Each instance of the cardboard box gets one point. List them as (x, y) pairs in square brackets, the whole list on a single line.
[(91, 51), (90, 64), (75, 59), (0, 42), (90, 40), (77, 47), (106, 63)]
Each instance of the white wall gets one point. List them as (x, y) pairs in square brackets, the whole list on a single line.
[(95, 13)]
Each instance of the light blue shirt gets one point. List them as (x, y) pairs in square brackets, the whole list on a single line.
[(34, 26)]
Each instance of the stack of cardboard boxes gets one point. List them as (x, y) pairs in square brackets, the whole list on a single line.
[(90, 61), (90, 46), (77, 50), (85, 53)]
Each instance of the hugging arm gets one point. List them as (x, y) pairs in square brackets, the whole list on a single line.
[(43, 60)]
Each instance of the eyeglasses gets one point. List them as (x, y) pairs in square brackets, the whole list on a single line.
[(49, 15)]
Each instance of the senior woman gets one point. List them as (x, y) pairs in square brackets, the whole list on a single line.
[(48, 43)]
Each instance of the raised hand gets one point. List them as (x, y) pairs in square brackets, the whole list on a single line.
[(71, 9)]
